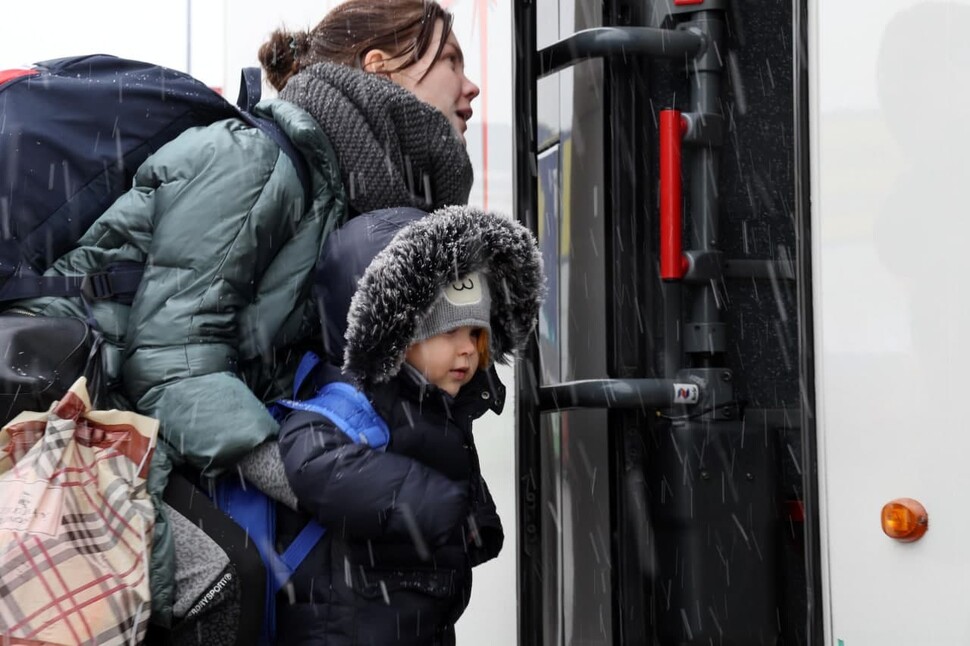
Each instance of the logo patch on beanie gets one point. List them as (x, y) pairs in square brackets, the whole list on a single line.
[(466, 301), (466, 291)]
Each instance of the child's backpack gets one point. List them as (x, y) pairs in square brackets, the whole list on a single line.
[(350, 410), (73, 131)]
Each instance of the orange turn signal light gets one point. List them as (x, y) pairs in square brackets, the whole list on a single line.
[(904, 519)]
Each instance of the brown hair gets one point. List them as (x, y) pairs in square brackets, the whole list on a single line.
[(482, 345), (403, 28)]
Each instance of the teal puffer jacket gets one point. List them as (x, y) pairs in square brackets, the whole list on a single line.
[(217, 216)]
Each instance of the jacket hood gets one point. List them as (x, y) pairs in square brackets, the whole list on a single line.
[(403, 259)]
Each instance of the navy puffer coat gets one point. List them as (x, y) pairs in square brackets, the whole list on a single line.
[(395, 564)]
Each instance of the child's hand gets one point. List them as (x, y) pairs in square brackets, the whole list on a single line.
[(483, 537)]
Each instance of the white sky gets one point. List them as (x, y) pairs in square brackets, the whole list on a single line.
[(41, 29), (225, 35)]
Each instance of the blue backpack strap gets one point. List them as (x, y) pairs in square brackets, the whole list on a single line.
[(350, 410), (255, 512), (293, 555), (309, 361)]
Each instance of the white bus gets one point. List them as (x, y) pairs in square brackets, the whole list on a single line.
[(761, 199)]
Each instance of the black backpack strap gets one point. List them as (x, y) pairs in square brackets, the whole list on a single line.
[(274, 132), (250, 90), (118, 282)]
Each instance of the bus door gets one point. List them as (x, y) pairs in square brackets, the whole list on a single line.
[(665, 449)]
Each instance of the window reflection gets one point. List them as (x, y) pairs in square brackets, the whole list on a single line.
[(577, 574)]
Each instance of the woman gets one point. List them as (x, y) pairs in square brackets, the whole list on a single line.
[(376, 100)]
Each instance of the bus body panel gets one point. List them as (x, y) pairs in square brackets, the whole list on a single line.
[(889, 92)]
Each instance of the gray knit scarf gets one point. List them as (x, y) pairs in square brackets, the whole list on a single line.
[(393, 149)]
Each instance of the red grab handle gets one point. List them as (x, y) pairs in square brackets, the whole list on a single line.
[(673, 265)]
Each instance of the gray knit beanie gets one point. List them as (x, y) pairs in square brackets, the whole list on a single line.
[(467, 301)]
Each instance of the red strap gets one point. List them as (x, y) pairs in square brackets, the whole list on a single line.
[(9, 75), (683, 2)]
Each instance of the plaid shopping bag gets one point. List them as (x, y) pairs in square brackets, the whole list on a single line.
[(75, 524)]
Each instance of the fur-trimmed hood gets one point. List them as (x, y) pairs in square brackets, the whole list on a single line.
[(403, 259)]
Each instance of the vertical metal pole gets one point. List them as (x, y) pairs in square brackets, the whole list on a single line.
[(706, 329), (528, 438), (673, 294), (188, 36), (806, 332)]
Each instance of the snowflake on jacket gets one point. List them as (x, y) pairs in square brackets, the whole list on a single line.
[(406, 525)]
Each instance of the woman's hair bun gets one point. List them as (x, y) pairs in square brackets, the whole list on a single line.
[(280, 55)]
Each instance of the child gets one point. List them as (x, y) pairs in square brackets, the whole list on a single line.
[(439, 297)]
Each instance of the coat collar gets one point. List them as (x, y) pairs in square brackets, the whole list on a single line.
[(483, 393)]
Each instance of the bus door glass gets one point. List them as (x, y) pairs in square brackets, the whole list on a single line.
[(574, 506)]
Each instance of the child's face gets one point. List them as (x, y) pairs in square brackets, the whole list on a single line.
[(448, 360)]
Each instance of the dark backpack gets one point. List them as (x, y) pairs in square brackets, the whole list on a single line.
[(74, 131)]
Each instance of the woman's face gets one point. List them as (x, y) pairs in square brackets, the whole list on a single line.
[(445, 85)]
